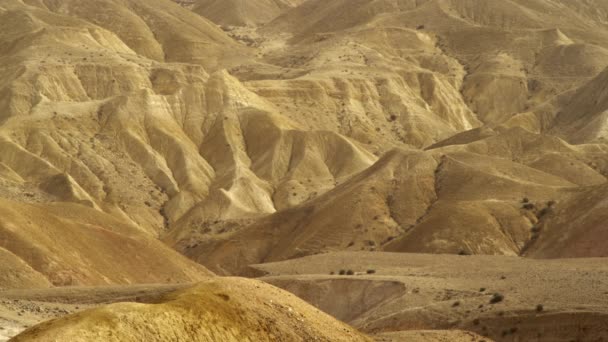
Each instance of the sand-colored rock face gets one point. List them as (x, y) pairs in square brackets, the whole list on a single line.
[(226, 309)]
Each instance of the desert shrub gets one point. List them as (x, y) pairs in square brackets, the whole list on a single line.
[(497, 298), (342, 272), (529, 206), (525, 200), (456, 304), (540, 308), (350, 272), (483, 289), (371, 271)]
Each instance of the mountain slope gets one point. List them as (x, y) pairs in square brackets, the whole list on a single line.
[(242, 12), (456, 202), (66, 244)]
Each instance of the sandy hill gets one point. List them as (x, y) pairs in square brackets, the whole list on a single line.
[(162, 31), (226, 309), (561, 299), (242, 12), (66, 244)]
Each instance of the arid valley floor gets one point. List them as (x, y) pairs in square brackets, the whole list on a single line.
[(304, 170)]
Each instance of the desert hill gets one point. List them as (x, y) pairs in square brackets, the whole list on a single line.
[(86, 305), (582, 117), (242, 12), (161, 31), (225, 309), (526, 51), (577, 236), (65, 244), (454, 202)]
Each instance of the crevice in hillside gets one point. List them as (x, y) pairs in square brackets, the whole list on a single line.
[(465, 68), (505, 233), (437, 188), (390, 200), (538, 228)]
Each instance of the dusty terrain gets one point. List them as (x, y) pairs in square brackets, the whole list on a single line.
[(542, 300), (166, 142), (23, 308), (219, 309)]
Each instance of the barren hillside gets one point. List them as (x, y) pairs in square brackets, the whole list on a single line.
[(215, 310), (242, 12)]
